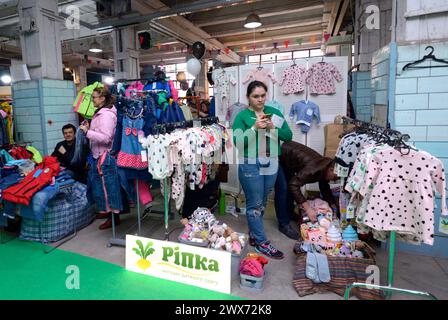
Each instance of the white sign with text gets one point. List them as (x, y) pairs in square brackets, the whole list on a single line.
[(201, 267)]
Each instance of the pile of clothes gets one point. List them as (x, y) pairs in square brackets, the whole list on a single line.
[(253, 265)]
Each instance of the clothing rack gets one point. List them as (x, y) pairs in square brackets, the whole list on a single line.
[(398, 142), (168, 127), (118, 241)]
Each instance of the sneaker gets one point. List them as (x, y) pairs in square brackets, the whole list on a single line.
[(289, 231), (269, 250)]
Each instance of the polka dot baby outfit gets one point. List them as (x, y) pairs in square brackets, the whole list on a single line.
[(402, 194), (293, 79), (321, 78), (156, 146), (175, 159)]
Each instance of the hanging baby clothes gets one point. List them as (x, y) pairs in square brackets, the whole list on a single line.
[(293, 79), (130, 155), (304, 112), (259, 74), (223, 80), (402, 193), (131, 91), (233, 111), (349, 148), (321, 78), (262, 75), (156, 146)]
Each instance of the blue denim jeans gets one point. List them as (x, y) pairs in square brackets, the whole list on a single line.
[(284, 200), (105, 187), (256, 187), (38, 205)]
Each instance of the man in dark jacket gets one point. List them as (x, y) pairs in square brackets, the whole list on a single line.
[(65, 151), (299, 166)]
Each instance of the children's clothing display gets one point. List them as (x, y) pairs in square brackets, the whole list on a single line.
[(321, 76), (399, 192), (391, 188), (233, 111), (260, 74), (293, 79), (184, 155), (349, 147), (304, 112), (223, 80), (132, 90)]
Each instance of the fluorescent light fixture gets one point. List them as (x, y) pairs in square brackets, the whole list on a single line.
[(95, 47), (252, 21), (108, 80), (6, 79)]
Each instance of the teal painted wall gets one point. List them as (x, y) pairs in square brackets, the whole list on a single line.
[(361, 95), (421, 110), (41, 108)]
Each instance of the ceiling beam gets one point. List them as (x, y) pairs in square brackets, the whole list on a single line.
[(274, 38), (333, 15), (271, 27), (270, 12), (266, 50), (182, 29), (341, 17), (162, 11)]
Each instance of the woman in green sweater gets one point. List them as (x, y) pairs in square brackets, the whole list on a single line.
[(257, 132)]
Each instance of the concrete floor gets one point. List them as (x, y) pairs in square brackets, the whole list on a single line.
[(414, 272)]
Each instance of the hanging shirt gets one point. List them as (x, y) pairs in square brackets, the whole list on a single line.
[(321, 78), (293, 79), (402, 193), (223, 80), (156, 146), (262, 75), (304, 112)]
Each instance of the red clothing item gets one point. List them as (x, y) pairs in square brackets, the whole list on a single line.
[(20, 153), (24, 191)]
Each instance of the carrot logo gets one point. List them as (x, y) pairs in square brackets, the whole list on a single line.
[(143, 252)]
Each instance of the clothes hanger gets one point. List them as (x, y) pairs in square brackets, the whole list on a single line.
[(431, 56)]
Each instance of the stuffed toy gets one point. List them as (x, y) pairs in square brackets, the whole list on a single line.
[(236, 245)]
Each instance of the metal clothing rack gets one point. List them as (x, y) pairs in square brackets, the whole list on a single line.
[(389, 289), (114, 241), (170, 127)]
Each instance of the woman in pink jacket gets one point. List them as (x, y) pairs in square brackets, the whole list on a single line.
[(103, 176)]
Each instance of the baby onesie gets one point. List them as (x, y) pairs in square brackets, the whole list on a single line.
[(158, 164), (223, 80)]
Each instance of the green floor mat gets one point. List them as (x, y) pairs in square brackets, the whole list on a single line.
[(26, 272)]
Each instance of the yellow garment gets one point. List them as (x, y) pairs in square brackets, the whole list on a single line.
[(8, 109), (36, 154)]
